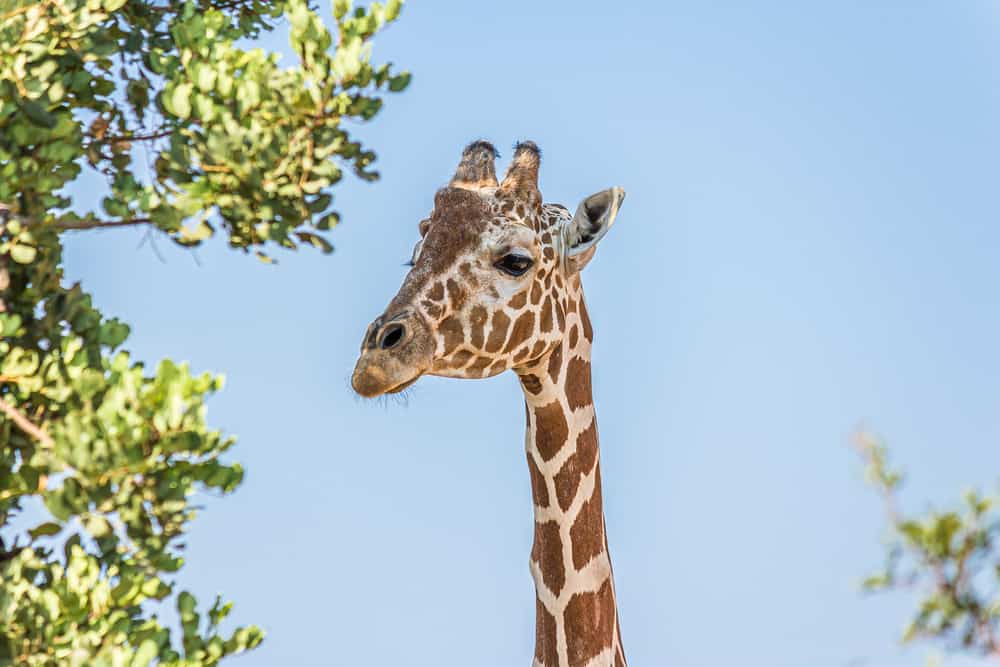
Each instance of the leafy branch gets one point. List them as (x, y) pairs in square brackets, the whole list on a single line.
[(25, 424), (948, 558)]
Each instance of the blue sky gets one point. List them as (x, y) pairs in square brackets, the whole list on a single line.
[(810, 241)]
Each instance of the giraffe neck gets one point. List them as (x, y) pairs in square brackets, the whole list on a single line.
[(576, 621)]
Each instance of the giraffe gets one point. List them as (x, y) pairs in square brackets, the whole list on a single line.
[(494, 285)]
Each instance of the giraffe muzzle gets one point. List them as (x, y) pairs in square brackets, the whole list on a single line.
[(395, 352)]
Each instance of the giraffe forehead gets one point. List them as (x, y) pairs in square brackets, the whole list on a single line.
[(465, 223)]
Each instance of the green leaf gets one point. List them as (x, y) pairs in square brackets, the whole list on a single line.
[(315, 240), (45, 530), (180, 100), (23, 254), (186, 604), (57, 506), (145, 653), (399, 82), (45, 70), (392, 9), (38, 114), (9, 324), (206, 78)]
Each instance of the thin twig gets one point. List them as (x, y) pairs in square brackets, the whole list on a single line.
[(134, 138)]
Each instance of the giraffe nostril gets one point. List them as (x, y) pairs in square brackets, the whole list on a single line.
[(392, 335), (371, 335)]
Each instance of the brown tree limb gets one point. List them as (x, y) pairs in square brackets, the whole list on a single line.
[(25, 424), (98, 224), (5, 213)]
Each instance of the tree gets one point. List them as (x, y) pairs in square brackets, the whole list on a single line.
[(949, 559), (111, 450)]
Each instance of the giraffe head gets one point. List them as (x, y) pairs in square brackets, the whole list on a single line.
[(493, 277)]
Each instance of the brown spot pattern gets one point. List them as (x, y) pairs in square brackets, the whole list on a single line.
[(588, 331), (498, 331), (451, 330), (477, 324), (436, 292), (545, 323), (545, 636), (498, 366), (480, 364), (518, 300), (586, 444), (523, 328), (539, 490), (551, 430), (555, 363), (432, 309), (461, 358), (574, 335), (587, 532), (536, 293), (456, 295), (579, 464), (547, 552), (531, 383), (589, 619), (578, 389)]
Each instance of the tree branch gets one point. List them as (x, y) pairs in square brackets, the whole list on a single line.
[(25, 424), (98, 224), (5, 214), (136, 137)]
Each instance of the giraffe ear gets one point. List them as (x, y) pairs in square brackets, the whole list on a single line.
[(594, 217)]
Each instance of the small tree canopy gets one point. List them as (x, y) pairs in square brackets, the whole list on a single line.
[(949, 559), (195, 134)]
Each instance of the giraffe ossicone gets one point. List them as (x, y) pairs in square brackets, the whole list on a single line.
[(495, 286)]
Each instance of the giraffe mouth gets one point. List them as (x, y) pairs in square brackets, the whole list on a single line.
[(402, 386), (372, 380)]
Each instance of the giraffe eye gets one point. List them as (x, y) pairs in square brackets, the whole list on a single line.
[(514, 265)]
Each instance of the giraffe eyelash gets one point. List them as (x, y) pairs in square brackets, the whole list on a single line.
[(415, 254)]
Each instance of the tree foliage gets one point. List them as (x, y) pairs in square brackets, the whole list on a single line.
[(194, 134), (950, 560)]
